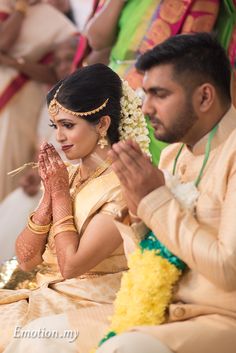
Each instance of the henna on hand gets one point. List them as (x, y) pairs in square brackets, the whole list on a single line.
[(29, 249), (54, 172), (26, 250), (43, 214), (60, 187)]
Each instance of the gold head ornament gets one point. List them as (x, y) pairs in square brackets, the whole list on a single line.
[(55, 106)]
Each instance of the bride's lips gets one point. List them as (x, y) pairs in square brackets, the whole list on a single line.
[(66, 147)]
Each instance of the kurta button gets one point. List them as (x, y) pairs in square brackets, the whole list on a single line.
[(179, 312)]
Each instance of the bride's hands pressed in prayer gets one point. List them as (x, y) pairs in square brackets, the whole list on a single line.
[(54, 175), (53, 171)]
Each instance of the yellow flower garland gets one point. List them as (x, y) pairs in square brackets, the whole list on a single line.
[(146, 289), (148, 295)]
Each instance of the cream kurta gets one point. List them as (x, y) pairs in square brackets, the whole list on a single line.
[(96, 289), (202, 318)]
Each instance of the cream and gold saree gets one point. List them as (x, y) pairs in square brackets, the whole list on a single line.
[(54, 295)]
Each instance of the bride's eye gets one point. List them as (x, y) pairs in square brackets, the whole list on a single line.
[(52, 125), (68, 125)]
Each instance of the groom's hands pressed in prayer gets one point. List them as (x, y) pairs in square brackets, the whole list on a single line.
[(135, 171)]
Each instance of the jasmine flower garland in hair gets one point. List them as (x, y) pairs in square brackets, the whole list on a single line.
[(133, 124)]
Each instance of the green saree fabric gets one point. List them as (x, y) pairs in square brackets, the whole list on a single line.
[(133, 24), (226, 30)]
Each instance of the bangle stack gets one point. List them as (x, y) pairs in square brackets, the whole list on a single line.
[(21, 6), (63, 226), (37, 228)]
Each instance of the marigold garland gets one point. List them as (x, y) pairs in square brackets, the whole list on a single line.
[(146, 289)]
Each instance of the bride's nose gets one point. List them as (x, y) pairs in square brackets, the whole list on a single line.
[(60, 136)]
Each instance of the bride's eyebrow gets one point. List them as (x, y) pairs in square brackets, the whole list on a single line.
[(66, 121)]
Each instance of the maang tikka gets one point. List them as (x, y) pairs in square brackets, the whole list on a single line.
[(55, 107)]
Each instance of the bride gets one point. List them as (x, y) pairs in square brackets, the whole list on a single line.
[(71, 235)]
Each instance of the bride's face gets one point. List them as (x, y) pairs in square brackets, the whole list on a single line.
[(77, 137)]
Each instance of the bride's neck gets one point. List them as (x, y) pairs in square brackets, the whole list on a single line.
[(91, 162)]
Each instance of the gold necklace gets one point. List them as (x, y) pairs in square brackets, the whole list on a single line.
[(81, 184)]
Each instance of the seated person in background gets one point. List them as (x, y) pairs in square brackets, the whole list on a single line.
[(72, 233), (29, 31)]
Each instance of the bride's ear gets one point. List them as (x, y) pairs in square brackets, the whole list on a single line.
[(103, 124)]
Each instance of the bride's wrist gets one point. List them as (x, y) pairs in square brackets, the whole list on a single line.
[(61, 194), (38, 227), (43, 214), (41, 218)]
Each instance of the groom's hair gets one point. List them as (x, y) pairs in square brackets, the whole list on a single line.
[(195, 59)]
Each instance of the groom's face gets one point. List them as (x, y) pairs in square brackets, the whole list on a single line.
[(167, 104)]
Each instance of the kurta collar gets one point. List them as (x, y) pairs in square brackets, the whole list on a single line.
[(225, 127)]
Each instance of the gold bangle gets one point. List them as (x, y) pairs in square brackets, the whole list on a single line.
[(37, 228), (62, 220), (70, 223), (62, 225), (63, 228), (40, 232), (21, 6)]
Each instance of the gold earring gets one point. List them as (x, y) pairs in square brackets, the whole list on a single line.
[(102, 142)]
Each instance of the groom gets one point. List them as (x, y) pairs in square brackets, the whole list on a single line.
[(187, 87)]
